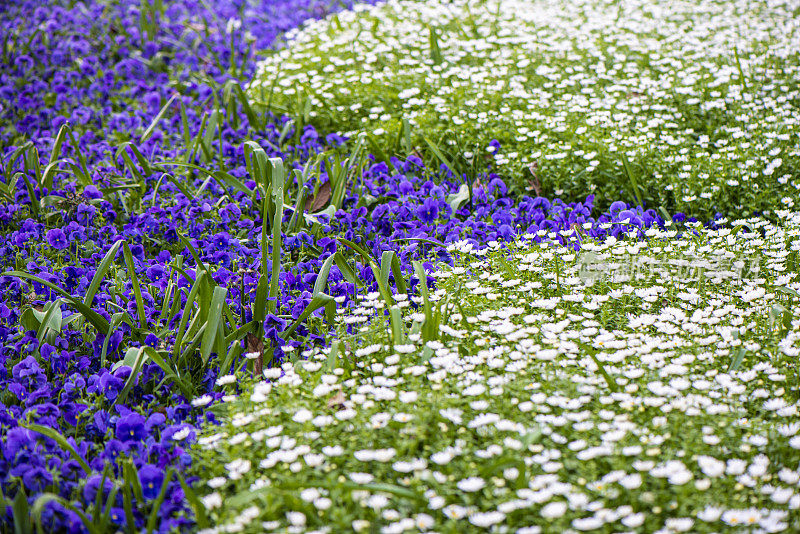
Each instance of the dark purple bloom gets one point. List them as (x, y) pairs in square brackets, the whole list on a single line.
[(151, 479), (429, 210), (617, 207), (57, 239), (131, 428), (18, 440), (92, 193), (110, 385)]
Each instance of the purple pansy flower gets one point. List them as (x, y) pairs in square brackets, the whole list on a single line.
[(57, 239)]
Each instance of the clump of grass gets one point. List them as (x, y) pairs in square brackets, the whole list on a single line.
[(638, 385), (691, 108)]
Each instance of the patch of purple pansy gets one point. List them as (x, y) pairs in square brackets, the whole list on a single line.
[(106, 70)]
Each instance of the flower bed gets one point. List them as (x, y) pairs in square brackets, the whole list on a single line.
[(164, 239), (691, 108), (132, 222), (642, 387)]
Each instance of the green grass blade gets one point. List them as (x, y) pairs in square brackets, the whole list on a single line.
[(277, 245), (149, 131), (383, 288), (103, 523), (187, 308), (153, 519), (356, 247), (439, 154), (316, 303), (632, 179), (187, 133), (347, 272), (61, 136), (390, 262), (428, 332), (272, 296), (136, 367), (22, 515), (83, 170), (131, 477), (165, 303), (48, 175), (198, 261), (252, 118), (436, 52), (127, 505), (137, 290), (398, 328)]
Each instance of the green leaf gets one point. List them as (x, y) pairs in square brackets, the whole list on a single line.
[(187, 388), (31, 193), (356, 247), (398, 327), (140, 159), (257, 163), (260, 303), (272, 303), (127, 504), (61, 440), (212, 323), (100, 273), (430, 329), (737, 359), (94, 318), (45, 498), (50, 169), (134, 358), (116, 320), (436, 53), (197, 506), (456, 200), (22, 515), (632, 179), (322, 278), (439, 154), (347, 272), (51, 319), (196, 256), (333, 355), (131, 476), (389, 260)]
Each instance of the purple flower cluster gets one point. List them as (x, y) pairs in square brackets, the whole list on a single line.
[(106, 69)]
